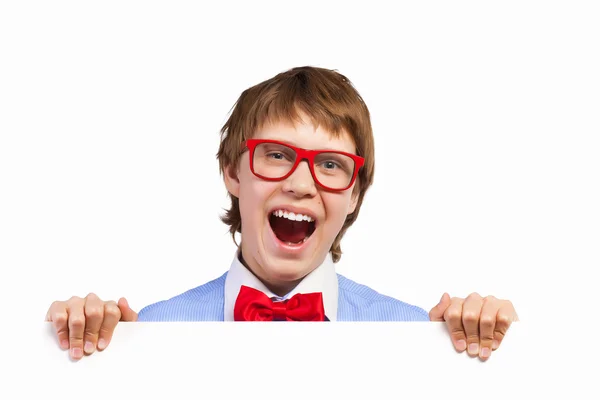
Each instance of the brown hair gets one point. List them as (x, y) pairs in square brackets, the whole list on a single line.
[(327, 97)]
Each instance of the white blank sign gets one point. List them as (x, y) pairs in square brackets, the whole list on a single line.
[(282, 360)]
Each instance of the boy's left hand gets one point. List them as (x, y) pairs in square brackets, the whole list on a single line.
[(476, 324)]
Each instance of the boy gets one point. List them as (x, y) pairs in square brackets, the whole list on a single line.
[(297, 158)]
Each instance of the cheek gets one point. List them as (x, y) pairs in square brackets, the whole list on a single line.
[(254, 196), (337, 206)]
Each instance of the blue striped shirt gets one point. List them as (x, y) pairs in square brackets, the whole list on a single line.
[(356, 302)]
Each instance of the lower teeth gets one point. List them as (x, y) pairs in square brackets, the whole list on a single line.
[(300, 242)]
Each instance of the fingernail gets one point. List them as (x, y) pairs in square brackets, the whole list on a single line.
[(101, 344), (485, 352), (474, 348), (495, 344), (89, 347), (76, 352), (461, 345), (64, 344)]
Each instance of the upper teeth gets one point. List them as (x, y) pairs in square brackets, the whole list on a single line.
[(292, 216)]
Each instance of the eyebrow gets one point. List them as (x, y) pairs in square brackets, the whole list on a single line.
[(320, 148)]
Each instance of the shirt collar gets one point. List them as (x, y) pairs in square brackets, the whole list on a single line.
[(323, 279)]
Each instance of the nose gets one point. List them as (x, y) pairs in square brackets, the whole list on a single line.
[(301, 182)]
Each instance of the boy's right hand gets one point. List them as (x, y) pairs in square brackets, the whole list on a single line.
[(86, 324)]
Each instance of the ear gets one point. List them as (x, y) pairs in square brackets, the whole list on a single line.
[(353, 201), (232, 182)]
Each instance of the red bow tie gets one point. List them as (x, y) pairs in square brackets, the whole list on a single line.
[(254, 305)]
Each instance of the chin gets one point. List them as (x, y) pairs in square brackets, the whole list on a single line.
[(287, 271)]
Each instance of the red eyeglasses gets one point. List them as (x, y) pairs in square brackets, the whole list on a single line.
[(272, 160)]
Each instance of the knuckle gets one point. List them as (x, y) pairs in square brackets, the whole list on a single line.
[(470, 316), (112, 310), (77, 321), (458, 335), (56, 304), (89, 336), (504, 319), (474, 296), (93, 312), (486, 322), (106, 331), (60, 317), (452, 315), (92, 296), (456, 331)]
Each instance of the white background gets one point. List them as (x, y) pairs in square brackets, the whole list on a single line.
[(486, 121)]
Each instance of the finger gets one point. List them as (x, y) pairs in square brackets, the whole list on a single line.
[(470, 318), (487, 322), (112, 315), (127, 314), (76, 326), (59, 316), (453, 319), (505, 317), (437, 312), (94, 314)]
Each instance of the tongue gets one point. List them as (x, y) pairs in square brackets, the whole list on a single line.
[(289, 231)]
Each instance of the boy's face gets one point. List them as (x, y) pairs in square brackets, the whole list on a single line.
[(267, 244)]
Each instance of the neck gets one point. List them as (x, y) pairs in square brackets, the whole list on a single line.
[(278, 288)]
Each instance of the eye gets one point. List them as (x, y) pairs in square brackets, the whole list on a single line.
[(330, 165), (276, 156)]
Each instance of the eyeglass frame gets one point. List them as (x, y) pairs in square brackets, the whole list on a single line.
[(301, 155)]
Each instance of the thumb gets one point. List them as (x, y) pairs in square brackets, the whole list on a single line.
[(127, 314), (437, 312)]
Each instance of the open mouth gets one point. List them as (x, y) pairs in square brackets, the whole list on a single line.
[(291, 228)]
